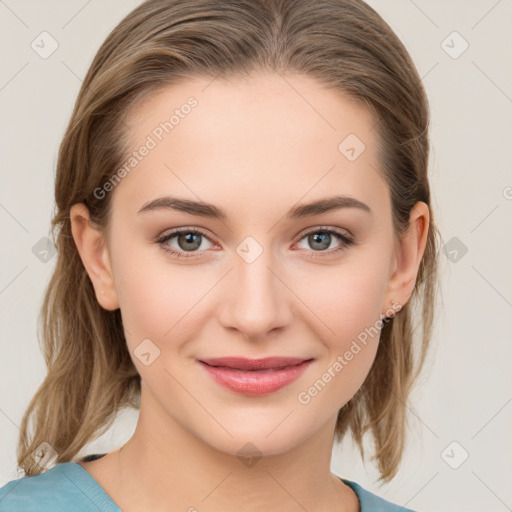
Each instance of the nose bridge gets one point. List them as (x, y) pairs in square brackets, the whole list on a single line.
[(258, 300)]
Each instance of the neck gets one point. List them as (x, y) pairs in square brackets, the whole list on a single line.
[(165, 467)]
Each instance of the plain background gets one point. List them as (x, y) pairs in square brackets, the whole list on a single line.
[(466, 393)]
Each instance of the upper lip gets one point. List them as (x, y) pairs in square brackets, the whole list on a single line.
[(241, 363)]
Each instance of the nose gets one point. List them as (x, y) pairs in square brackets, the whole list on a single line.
[(257, 301)]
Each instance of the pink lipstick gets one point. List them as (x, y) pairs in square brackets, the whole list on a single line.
[(255, 376)]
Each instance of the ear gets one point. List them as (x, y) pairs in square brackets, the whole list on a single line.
[(92, 247), (408, 254)]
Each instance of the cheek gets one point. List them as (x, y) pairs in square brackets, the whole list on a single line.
[(159, 300), (346, 299), (346, 303)]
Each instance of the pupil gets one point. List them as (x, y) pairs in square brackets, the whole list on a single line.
[(322, 238), (189, 239)]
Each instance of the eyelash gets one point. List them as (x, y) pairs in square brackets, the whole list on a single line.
[(347, 241)]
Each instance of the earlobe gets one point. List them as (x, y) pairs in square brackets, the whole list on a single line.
[(409, 252), (92, 248)]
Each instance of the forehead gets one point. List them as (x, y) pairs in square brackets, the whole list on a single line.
[(279, 137), (295, 106)]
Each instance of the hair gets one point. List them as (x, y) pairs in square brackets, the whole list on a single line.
[(345, 46)]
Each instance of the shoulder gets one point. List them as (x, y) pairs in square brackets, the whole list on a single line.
[(66, 486), (371, 502)]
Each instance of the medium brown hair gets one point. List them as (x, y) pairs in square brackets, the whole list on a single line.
[(343, 44)]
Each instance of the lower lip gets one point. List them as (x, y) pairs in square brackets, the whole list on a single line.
[(255, 383)]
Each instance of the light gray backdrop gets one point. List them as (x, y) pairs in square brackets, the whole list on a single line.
[(460, 452)]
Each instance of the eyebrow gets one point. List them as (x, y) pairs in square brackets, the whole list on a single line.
[(297, 212)]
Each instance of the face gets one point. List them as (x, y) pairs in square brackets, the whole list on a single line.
[(254, 274)]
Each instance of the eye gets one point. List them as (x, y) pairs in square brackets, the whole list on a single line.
[(188, 240), (321, 238)]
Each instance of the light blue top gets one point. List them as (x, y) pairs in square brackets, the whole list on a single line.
[(69, 487)]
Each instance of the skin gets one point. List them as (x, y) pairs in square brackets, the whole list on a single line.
[(255, 149)]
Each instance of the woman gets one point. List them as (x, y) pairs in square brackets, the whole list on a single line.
[(243, 227)]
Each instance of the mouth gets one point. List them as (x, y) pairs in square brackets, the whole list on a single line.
[(255, 376)]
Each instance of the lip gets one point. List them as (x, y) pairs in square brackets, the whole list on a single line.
[(255, 376)]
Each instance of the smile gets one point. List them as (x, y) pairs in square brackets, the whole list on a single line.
[(255, 376)]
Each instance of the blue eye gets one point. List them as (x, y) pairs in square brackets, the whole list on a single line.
[(320, 239), (190, 241)]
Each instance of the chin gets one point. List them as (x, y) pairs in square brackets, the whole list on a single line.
[(254, 446)]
